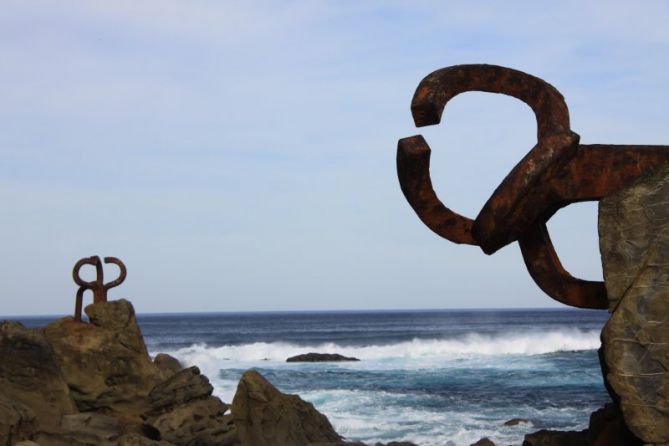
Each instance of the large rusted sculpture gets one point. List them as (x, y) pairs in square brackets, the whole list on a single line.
[(98, 286), (557, 171)]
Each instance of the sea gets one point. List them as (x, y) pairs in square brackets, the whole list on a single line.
[(432, 377)]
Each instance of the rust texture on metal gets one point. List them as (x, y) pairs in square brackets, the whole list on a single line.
[(97, 286), (556, 172)]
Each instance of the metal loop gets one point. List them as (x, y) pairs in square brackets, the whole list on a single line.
[(98, 286), (495, 225), (555, 173), (92, 260)]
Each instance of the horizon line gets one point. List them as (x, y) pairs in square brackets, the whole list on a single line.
[(369, 310)]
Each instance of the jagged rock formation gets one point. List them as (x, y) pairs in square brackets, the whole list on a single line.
[(105, 363), (634, 244), (74, 383), (80, 384), (266, 417), (183, 410), (33, 392)]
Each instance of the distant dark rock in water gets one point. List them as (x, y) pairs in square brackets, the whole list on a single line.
[(394, 443), (483, 442), (320, 357), (516, 422)]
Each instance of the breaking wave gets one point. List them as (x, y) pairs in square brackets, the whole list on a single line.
[(527, 343)]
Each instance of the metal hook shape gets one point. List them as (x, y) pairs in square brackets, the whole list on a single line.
[(555, 141), (555, 173)]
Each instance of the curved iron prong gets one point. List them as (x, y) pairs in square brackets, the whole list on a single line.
[(413, 171), (506, 214), (555, 173), (594, 172), (497, 223), (121, 277), (92, 260), (547, 271), (585, 173), (439, 87)]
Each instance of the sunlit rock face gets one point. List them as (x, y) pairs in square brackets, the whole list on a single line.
[(266, 417), (76, 384), (634, 244), (79, 384), (33, 392)]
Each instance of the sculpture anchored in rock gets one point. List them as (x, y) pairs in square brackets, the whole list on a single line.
[(98, 286), (632, 182), (556, 172)]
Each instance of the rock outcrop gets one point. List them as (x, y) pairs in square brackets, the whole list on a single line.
[(320, 357), (81, 384), (34, 394), (634, 244), (266, 417), (76, 383), (184, 411), (606, 428), (105, 362)]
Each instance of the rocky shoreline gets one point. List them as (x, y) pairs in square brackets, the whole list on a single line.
[(77, 383)]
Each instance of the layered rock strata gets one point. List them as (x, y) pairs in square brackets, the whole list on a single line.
[(634, 244)]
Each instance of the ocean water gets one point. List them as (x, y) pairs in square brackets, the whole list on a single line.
[(436, 378), (431, 377)]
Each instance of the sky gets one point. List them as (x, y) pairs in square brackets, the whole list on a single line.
[(240, 156)]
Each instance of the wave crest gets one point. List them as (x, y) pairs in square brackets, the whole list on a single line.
[(532, 343)]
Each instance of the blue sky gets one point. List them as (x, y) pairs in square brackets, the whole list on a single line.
[(241, 155)]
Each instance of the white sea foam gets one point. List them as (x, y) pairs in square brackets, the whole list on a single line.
[(382, 416), (527, 343)]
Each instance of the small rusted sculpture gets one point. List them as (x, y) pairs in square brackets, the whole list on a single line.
[(98, 286), (557, 171)]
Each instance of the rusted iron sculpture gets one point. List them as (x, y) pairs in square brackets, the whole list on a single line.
[(98, 286), (557, 171)]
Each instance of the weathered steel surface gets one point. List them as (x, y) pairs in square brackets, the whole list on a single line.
[(556, 172), (555, 141), (413, 170), (547, 271), (97, 286)]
